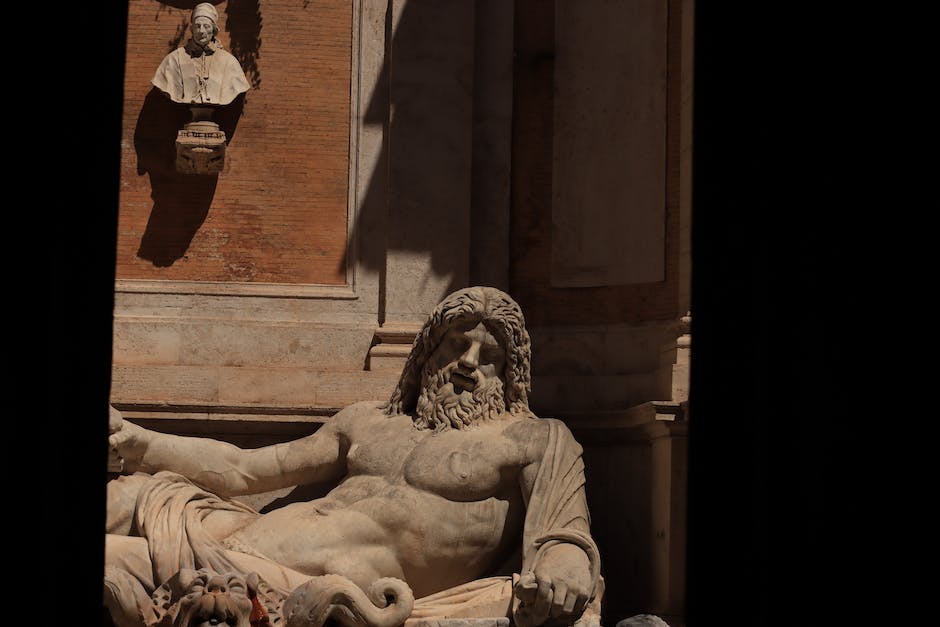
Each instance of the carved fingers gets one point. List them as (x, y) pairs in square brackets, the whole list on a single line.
[(115, 459), (115, 424), (568, 600), (115, 420), (545, 596), (526, 591), (559, 587), (126, 447)]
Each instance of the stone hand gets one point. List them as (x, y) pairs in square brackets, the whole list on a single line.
[(558, 587), (127, 443), (115, 420)]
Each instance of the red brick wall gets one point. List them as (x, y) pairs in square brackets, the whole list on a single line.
[(531, 214), (277, 213)]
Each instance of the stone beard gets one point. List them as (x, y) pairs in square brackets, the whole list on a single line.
[(440, 406)]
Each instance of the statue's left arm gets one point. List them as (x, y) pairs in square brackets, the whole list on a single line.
[(560, 560)]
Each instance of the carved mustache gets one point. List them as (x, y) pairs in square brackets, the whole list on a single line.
[(466, 378)]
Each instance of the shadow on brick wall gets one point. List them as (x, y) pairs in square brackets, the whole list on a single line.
[(180, 201), (243, 24)]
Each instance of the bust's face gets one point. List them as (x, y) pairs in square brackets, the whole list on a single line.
[(202, 29)]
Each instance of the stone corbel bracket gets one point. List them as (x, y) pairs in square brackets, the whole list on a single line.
[(391, 345)]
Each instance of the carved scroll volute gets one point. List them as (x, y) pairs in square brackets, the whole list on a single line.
[(388, 603)]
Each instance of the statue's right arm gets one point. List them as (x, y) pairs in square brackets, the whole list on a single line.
[(227, 470)]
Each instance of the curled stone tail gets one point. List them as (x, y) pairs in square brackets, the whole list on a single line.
[(388, 603)]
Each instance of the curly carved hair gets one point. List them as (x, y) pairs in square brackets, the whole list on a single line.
[(501, 316)]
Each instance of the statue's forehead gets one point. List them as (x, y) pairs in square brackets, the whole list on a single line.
[(465, 323), (477, 327)]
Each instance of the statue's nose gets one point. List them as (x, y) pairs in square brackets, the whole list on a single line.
[(471, 357)]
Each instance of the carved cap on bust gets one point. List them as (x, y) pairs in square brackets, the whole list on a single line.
[(204, 9)]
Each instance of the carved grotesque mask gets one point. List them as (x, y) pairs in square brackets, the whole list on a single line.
[(202, 598)]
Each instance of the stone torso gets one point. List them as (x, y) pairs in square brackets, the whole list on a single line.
[(436, 509), (461, 466)]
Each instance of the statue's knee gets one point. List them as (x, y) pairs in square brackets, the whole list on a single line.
[(130, 555), (122, 500), (125, 597)]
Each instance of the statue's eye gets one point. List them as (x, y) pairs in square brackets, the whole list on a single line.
[(491, 354)]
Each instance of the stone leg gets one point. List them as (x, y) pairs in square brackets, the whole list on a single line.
[(122, 496), (122, 500), (129, 581), (271, 572), (130, 555), (125, 598)]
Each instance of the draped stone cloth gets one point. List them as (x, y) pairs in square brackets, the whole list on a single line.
[(170, 512), (176, 76), (557, 512)]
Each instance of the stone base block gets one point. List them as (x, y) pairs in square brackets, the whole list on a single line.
[(200, 150), (500, 621)]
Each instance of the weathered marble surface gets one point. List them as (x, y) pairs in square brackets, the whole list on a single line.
[(451, 497), (643, 620), (609, 143)]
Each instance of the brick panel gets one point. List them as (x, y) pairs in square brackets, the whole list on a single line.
[(278, 211)]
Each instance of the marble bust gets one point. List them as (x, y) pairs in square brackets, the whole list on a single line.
[(202, 71), (450, 500), (205, 77)]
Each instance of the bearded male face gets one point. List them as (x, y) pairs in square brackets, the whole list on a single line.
[(462, 382)]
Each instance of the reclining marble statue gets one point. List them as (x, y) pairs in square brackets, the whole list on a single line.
[(451, 500)]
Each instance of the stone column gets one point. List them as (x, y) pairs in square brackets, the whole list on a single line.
[(430, 153), (492, 144), (668, 478)]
